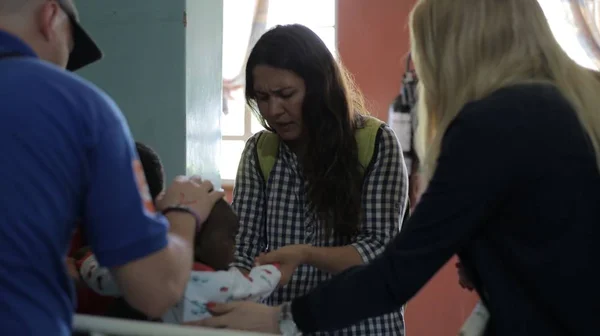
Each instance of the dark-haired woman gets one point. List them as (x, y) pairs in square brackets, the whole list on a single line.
[(319, 211)]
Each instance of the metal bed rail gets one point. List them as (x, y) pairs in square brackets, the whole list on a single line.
[(104, 326)]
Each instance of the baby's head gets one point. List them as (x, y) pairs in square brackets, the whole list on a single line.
[(215, 243), (153, 169)]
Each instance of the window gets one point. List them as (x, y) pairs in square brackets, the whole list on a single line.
[(238, 124), (565, 31)]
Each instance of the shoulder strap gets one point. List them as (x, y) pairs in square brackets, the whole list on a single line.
[(267, 146), (366, 137), (266, 150)]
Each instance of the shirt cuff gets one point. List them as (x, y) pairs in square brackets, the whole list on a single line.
[(366, 250), (242, 262)]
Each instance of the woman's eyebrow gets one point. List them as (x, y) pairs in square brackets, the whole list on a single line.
[(279, 89)]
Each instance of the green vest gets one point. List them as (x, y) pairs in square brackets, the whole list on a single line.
[(267, 146)]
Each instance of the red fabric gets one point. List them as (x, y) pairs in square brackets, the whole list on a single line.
[(76, 242), (202, 268), (88, 301)]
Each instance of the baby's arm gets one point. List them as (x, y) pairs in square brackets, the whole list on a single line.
[(258, 284), (222, 286), (96, 277)]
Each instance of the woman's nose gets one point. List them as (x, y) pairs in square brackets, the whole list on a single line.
[(274, 107)]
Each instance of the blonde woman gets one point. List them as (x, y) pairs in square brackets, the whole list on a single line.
[(510, 142)]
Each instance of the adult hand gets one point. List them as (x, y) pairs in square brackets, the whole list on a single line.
[(288, 257), (194, 193), (242, 315), (463, 279)]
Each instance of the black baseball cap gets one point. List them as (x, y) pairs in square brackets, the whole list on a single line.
[(85, 50)]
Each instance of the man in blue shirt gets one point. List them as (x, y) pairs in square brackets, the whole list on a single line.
[(66, 153)]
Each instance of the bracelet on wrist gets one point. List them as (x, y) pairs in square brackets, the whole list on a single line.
[(184, 209)]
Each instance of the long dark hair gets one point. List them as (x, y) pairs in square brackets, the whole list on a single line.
[(331, 111)]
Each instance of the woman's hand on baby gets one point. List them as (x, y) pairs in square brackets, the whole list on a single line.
[(193, 193), (288, 257)]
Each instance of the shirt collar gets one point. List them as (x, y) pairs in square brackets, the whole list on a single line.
[(10, 43)]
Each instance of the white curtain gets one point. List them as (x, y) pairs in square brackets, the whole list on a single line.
[(576, 26), (254, 31)]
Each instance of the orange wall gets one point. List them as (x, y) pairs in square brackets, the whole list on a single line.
[(373, 43), (228, 192)]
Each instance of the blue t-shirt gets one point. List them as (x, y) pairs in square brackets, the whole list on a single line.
[(66, 154)]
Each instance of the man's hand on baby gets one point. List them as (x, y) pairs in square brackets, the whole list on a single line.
[(288, 257), (192, 192)]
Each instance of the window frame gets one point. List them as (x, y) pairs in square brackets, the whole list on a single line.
[(248, 114)]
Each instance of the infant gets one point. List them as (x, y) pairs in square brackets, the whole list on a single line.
[(211, 279)]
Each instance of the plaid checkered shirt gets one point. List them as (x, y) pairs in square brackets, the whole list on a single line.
[(275, 214)]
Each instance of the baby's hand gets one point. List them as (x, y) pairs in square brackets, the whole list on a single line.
[(96, 277), (72, 268)]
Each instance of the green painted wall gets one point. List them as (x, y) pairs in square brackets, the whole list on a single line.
[(164, 74)]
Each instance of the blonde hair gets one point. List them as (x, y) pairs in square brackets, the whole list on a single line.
[(466, 49)]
